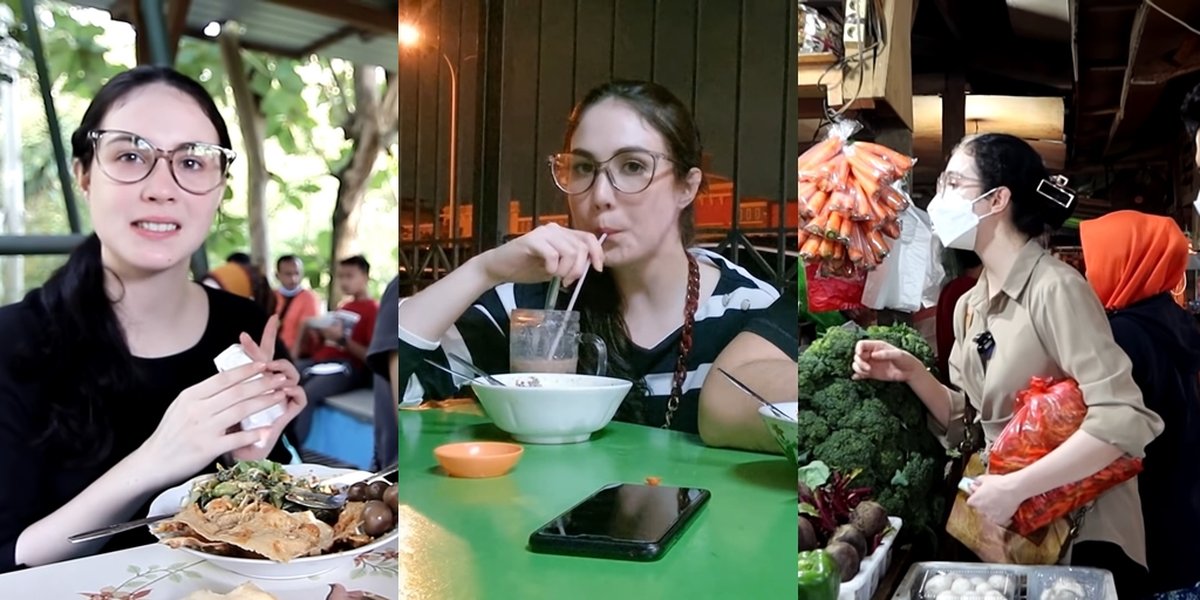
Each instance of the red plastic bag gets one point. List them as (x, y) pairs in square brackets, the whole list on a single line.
[(1046, 415), (830, 293)]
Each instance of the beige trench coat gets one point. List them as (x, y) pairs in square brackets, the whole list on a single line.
[(1047, 322)]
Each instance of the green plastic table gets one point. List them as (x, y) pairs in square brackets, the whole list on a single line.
[(466, 539)]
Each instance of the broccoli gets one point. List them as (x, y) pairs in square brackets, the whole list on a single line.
[(877, 428), (813, 429), (828, 359), (836, 400), (847, 450)]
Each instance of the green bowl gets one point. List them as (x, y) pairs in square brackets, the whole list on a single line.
[(784, 430)]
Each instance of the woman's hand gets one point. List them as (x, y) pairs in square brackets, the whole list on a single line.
[(546, 252), (884, 362), (996, 497), (200, 425), (294, 395)]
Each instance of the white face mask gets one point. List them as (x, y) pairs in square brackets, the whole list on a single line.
[(1197, 202), (954, 220)]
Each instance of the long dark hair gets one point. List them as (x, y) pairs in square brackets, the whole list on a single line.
[(1008, 161), (81, 329), (601, 307)]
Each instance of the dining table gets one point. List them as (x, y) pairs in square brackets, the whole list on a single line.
[(158, 572), (467, 539)]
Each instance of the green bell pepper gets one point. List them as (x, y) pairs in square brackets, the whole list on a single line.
[(818, 576)]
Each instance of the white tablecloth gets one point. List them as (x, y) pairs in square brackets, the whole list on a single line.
[(156, 572)]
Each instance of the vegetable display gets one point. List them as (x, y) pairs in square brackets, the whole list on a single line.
[(877, 430), (817, 576), (839, 516), (849, 206)]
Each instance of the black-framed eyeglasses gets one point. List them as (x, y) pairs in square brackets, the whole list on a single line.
[(634, 170), (127, 157), (954, 180)]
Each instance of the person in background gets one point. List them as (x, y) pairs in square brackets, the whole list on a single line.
[(240, 277), (240, 258), (295, 304), (970, 267), (338, 364), (383, 357), (108, 391), (1133, 262), (1030, 315)]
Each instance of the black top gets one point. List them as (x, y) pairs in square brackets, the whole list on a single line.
[(739, 303), (1163, 342), (383, 343), (36, 482)]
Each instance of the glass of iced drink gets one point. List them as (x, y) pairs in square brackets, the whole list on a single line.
[(547, 341)]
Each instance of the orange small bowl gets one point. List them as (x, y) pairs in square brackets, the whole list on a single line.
[(478, 459)]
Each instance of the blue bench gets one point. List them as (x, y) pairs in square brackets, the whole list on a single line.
[(343, 428)]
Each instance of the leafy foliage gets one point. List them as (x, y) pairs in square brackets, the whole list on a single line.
[(872, 427)]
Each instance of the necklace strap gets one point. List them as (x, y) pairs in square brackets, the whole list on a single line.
[(685, 339)]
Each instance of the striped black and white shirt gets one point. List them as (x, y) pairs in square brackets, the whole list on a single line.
[(740, 302)]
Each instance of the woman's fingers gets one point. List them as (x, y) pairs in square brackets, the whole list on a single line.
[(285, 368), (247, 390), (223, 381)]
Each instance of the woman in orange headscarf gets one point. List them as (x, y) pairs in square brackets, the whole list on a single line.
[(1135, 262)]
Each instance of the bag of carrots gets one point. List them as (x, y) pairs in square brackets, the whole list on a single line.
[(1047, 413), (850, 201)]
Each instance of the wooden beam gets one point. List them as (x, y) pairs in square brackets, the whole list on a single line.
[(1106, 67), (1073, 18), (1135, 42), (364, 18), (257, 47), (177, 12), (328, 40), (954, 113)]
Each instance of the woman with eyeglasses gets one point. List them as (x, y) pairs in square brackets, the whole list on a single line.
[(669, 314), (1029, 315), (1135, 261), (108, 390)]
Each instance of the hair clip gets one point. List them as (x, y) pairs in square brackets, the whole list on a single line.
[(1055, 189)]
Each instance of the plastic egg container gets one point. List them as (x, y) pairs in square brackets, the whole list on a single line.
[(964, 584)]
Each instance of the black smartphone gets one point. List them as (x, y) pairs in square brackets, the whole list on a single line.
[(623, 521)]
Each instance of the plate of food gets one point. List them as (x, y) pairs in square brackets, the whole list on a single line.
[(241, 520)]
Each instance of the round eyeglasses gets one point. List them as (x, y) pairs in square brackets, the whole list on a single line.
[(125, 157), (629, 172), (954, 181)]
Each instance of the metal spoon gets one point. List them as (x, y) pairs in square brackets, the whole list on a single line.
[(752, 393), (322, 501), (474, 369), (451, 371), (111, 530)]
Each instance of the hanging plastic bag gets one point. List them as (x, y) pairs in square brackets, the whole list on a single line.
[(827, 292), (1047, 413), (848, 205), (901, 283)]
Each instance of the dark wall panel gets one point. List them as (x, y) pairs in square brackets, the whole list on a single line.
[(518, 140), (633, 39), (593, 43), (556, 96), (716, 90), (675, 47)]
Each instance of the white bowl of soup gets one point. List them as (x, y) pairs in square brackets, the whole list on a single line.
[(784, 430), (551, 408)]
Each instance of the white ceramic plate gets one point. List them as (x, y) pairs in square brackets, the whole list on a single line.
[(172, 500)]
